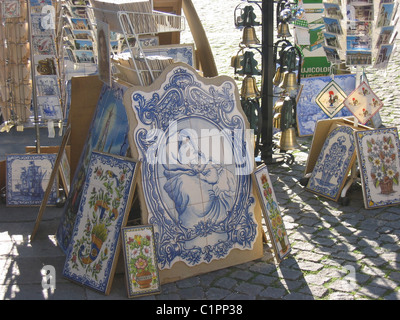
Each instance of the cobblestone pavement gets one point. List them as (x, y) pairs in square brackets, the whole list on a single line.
[(338, 252)]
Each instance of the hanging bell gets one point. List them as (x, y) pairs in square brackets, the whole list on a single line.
[(289, 81), (249, 88), (277, 77), (278, 106), (277, 113), (288, 140), (235, 62), (277, 121), (283, 30), (249, 36)]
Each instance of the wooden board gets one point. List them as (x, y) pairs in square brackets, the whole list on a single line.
[(169, 6), (85, 92)]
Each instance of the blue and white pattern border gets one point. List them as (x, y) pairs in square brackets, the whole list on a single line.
[(184, 100)]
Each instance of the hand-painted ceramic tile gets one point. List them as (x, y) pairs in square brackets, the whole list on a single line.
[(141, 270), (334, 163), (11, 9), (180, 53), (271, 211), (47, 85), (363, 103), (27, 179), (106, 198), (331, 98), (198, 194), (49, 107), (307, 110), (108, 133), (378, 158), (45, 65), (37, 5), (38, 21), (43, 45)]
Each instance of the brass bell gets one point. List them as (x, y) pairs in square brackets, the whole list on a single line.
[(288, 140), (289, 81), (277, 113), (249, 88), (235, 61), (278, 105), (277, 121), (249, 36), (277, 77), (283, 30)]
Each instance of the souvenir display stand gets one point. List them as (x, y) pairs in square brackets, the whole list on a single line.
[(283, 81), (29, 81), (355, 36), (32, 94)]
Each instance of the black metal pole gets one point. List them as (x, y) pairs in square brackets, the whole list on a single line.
[(268, 72)]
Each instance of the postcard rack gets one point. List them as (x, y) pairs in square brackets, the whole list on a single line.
[(134, 24)]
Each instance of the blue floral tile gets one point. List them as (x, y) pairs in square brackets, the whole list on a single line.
[(378, 157), (334, 163)]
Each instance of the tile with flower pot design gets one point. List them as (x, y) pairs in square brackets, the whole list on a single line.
[(103, 210), (334, 162), (141, 271), (378, 157), (272, 215)]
